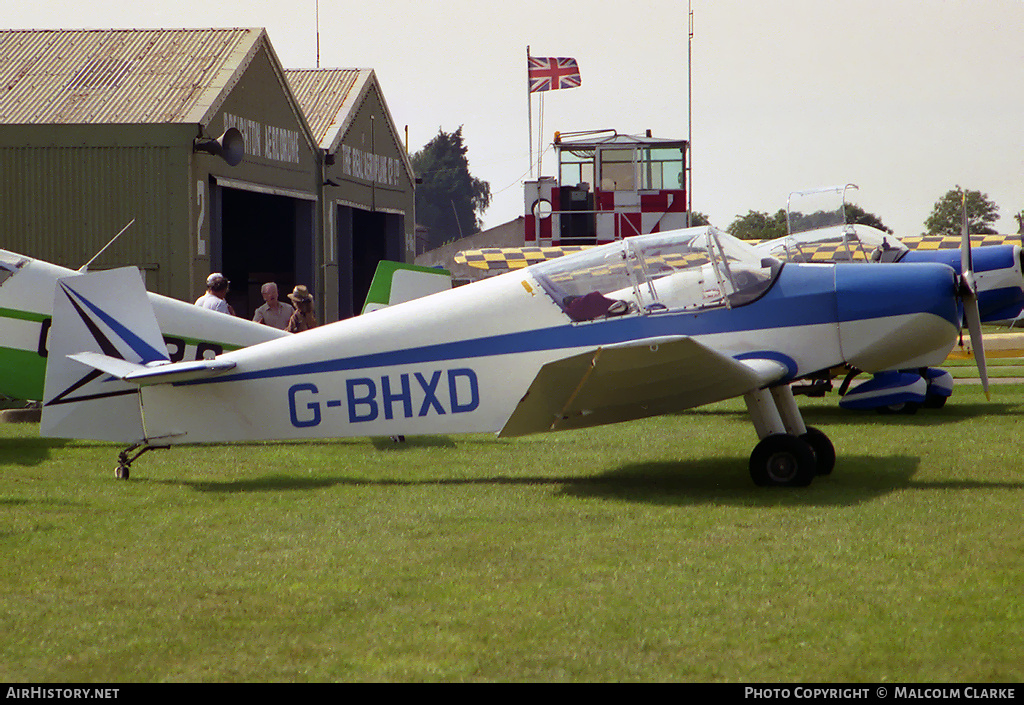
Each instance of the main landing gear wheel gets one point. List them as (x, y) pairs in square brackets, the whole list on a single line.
[(906, 407), (782, 460), (824, 451)]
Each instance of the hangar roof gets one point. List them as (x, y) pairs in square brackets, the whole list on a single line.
[(79, 76), (329, 99)]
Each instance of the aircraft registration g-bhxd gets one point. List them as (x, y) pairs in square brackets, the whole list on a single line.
[(644, 326)]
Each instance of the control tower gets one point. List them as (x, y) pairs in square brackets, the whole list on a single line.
[(609, 186)]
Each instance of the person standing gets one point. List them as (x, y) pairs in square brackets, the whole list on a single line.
[(303, 318), (273, 313), (216, 294)]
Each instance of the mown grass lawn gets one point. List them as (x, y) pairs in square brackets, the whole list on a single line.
[(637, 552)]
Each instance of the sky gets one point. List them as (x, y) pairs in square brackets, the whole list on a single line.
[(905, 98)]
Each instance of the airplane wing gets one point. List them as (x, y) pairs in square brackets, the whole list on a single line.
[(634, 380), (955, 242), (508, 258)]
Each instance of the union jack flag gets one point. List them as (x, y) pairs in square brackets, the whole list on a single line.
[(551, 73)]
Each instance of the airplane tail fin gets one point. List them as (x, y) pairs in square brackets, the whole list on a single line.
[(397, 282), (108, 316)]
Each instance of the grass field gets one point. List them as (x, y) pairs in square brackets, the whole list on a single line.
[(637, 552)]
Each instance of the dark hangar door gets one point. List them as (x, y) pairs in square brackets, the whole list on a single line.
[(364, 239), (265, 237)]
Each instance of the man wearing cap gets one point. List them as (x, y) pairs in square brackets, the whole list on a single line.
[(216, 294)]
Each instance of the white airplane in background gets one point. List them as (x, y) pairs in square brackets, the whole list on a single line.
[(649, 325), (26, 305)]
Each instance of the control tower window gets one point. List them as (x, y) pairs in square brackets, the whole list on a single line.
[(577, 168), (617, 170), (661, 168)]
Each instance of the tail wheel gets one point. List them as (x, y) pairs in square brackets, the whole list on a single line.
[(782, 460), (824, 451)]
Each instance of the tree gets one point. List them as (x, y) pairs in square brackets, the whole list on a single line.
[(855, 215), (947, 218), (756, 225), (448, 197), (698, 218)]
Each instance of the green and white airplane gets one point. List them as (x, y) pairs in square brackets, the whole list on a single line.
[(26, 304), (190, 332)]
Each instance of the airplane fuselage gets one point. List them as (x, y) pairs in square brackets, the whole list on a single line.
[(461, 360)]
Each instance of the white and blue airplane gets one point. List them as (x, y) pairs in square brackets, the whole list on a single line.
[(649, 325)]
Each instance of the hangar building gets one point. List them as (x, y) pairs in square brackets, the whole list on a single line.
[(102, 127), (368, 184)]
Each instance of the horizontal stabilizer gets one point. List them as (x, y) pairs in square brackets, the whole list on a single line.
[(144, 375), (631, 381)]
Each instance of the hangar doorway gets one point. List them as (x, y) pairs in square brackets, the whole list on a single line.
[(364, 239), (263, 237)]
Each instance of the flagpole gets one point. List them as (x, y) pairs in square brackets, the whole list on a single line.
[(540, 136), (689, 115), (529, 109)]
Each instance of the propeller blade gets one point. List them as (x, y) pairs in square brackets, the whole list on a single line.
[(973, 319), (972, 316), (966, 261)]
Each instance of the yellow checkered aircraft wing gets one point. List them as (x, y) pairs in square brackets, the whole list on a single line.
[(494, 259), (952, 242)]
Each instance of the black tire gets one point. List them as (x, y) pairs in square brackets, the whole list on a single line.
[(824, 451), (935, 401), (907, 407), (782, 460)]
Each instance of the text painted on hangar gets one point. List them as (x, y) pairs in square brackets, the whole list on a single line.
[(378, 168), (267, 141)]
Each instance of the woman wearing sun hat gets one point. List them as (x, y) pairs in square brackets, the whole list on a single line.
[(303, 318)]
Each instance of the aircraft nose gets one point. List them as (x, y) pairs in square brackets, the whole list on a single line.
[(896, 316)]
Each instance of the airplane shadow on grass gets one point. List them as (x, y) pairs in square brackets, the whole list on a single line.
[(721, 481), (725, 481), (825, 416), (27, 451)]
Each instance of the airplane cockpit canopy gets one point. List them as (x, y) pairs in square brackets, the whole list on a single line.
[(837, 243), (689, 269)]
